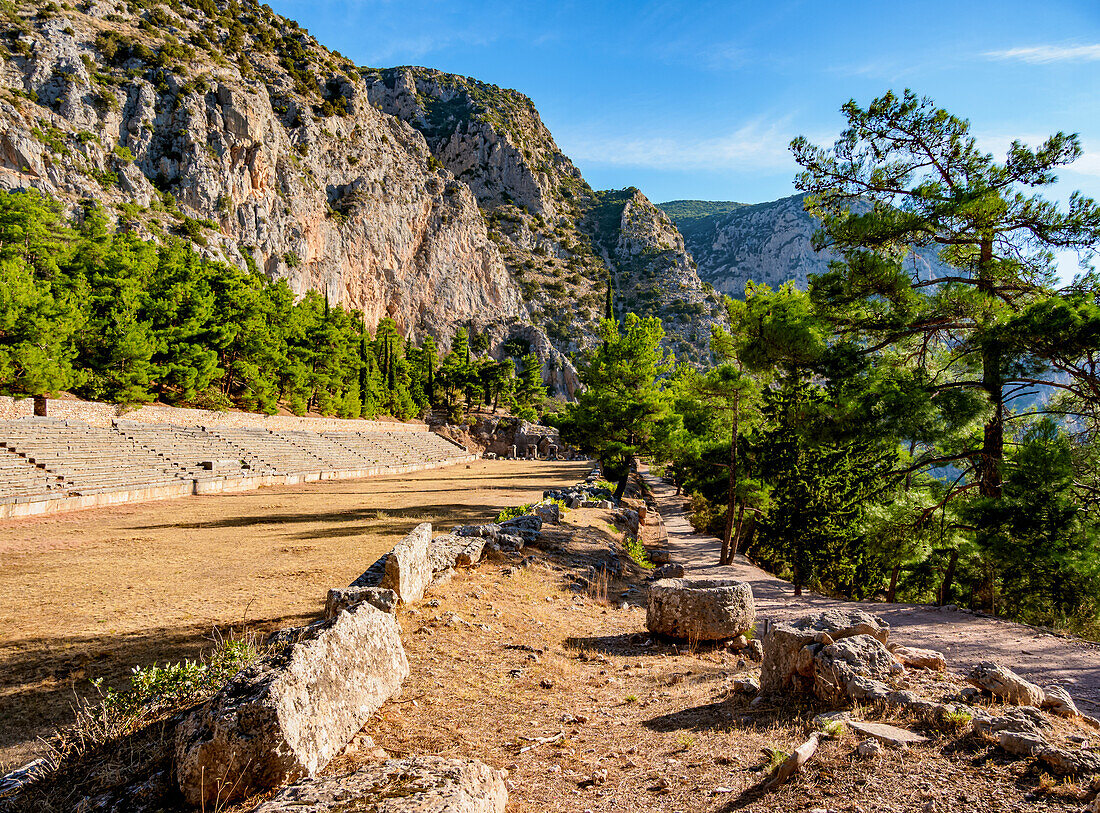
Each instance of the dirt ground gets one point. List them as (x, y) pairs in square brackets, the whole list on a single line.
[(92, 594), (526, 667), (964, 638)]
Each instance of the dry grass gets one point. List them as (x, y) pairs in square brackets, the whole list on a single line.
[(523, 665), (92, 594)]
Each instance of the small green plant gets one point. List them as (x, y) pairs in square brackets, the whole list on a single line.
[(958, 720), (512, 513), (685, 741), (607, 484), (834, 728), (775, 757), (292, 259), (630, 698), (154, 692), (637, 553), (123, 154)]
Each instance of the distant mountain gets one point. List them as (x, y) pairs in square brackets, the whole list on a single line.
[(733, 243)]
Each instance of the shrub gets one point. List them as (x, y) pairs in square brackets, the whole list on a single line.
[(511, 513)]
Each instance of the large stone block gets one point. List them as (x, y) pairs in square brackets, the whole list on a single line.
[(700, 609), (408, 568), (412, 785), (1006, 684), (785, 667), (855, 667), (287, 715), (381, 598)]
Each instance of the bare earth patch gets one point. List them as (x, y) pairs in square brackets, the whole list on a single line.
[(92, 594), (528, 669)]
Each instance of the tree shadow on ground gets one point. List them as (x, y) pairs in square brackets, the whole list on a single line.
[(451, 511), (43, 678)]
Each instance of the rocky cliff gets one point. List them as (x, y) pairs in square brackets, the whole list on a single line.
[(766, 242), (559, 238), (230, 126), (434, 199)]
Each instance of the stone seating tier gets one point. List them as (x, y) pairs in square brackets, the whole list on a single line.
[(42, 458)]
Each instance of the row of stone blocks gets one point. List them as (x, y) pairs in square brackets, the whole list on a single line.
[(282, 719)]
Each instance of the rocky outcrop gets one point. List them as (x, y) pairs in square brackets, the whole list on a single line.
[(412, 785), (263, 152), (700, 609), (287, 715), (766, 243)]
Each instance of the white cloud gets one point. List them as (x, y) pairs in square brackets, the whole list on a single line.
[(755, 145), (1043, 54)]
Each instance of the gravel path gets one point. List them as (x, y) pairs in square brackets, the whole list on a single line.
[(964, 638)]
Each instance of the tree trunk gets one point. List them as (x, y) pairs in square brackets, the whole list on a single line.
[(948, 577), (736, 542), (731, 490), (891, 591)]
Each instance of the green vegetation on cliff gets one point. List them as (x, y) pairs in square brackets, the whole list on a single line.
[(109, 316)]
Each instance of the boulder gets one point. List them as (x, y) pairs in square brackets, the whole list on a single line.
[(488, 531), (527, 527), (411, 785), (1057, 701), (382, 598), (408, 568), (509, 543), (471, 552), (915, 658), (838, 667), (638, 506), (670, 571), (629, 520), (660, 556), (443, 551), (286, 715), (700, 609), (606, 504), (549, 512), (782, 670), (1006, 684)]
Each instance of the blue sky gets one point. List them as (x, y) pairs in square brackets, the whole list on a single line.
[(699, 99)]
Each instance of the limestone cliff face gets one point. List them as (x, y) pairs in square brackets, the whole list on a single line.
[(255, 143), (653, 272), (558, 237), (766, 242)]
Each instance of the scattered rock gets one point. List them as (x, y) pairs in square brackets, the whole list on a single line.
[(549, 512), (381, 597), (669, 571), (1057, 700), (1021, 743), (412, 785), (508, 542), (287, 715), (746, 685), (916, 658), (700, 609), (1006, 684), (755, 649), (869, 748), (887, 734), (660, 556)]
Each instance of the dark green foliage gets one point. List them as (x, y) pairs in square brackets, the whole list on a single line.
[(110, 316)]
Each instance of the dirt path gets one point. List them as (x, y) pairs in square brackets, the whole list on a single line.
[(962, 637), (92, 594)]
